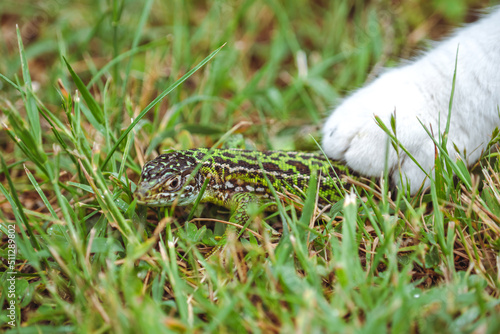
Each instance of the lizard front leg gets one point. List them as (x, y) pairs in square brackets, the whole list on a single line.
[(242, 206)]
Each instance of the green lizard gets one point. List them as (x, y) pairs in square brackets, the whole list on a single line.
[(235, 178)]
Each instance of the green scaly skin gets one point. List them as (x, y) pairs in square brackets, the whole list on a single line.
[(236, 178)]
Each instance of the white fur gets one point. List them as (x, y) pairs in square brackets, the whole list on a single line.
[(421, 90)]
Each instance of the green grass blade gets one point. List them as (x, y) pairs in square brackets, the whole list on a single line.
[(31, 108), (40, 193), (450, 105), (89, 99), (155, 101), (17, 204)]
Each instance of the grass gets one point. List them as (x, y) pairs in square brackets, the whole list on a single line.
[(91, 90)]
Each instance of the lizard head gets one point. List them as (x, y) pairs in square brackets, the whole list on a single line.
[(167, 179)]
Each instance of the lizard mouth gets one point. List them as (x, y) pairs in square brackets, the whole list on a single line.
[(147, 196), (144, 197)]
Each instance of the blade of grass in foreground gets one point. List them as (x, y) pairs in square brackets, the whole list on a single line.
[(18, 210), (30, 104), (155, 101), (91, 102)]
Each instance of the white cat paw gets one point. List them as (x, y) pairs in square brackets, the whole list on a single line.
[(418, 94), (352, 135)]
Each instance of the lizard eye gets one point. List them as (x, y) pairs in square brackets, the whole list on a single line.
[(174, 183)]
